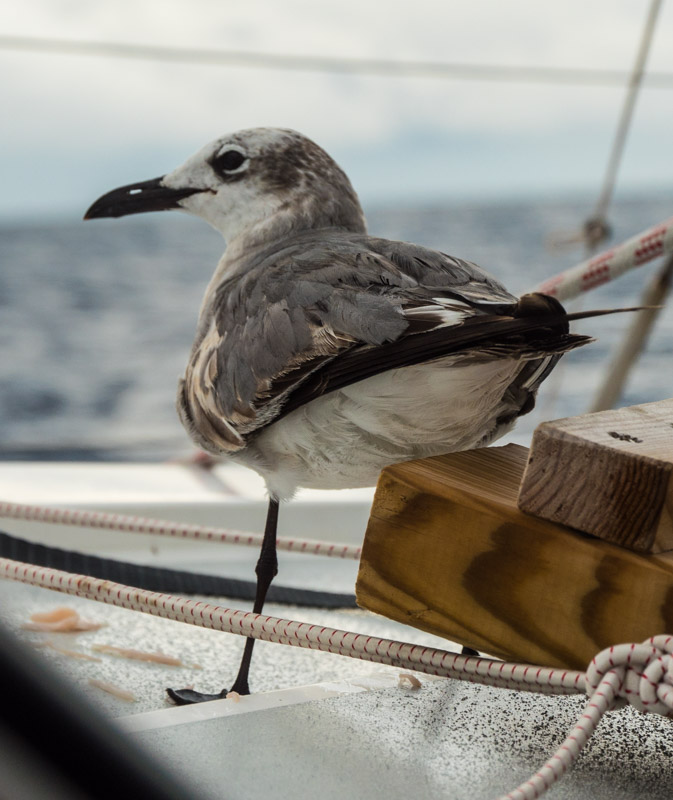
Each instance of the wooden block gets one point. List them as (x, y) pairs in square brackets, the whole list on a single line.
[(608, 474), (448, 551)]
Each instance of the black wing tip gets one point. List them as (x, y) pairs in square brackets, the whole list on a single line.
[(603, 312)]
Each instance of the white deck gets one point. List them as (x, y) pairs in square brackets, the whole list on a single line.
[(319, 724)]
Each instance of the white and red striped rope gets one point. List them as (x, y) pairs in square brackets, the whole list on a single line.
[(638, 674), (177, 530), (652, 243), (299, 634)]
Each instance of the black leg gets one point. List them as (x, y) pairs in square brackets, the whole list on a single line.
[(266, 570)]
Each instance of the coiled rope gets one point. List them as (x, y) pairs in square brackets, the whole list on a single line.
[(638, 674)]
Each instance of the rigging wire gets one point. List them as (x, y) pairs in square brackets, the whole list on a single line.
[(333, 64), (626, 115), (596, 228), (636, 336)]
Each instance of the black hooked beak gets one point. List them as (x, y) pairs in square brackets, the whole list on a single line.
[(138, 198)]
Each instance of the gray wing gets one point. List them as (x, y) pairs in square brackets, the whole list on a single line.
[(453, 276), (296, 314)]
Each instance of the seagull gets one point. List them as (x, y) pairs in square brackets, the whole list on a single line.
[(323, 354)]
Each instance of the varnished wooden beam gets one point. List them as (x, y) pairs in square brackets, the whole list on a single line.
[(447, 550)]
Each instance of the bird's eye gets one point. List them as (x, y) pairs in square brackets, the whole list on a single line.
[(228, 161)]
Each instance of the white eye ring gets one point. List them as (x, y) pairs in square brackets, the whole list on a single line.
[(229, 160)]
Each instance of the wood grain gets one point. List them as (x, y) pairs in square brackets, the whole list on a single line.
[(448, 551), (608, 474)]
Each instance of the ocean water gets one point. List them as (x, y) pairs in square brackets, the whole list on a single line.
[(97, 318)]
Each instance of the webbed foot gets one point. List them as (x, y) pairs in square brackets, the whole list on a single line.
[(185, 697)]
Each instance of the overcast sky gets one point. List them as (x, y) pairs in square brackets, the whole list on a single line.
[(74, 127)]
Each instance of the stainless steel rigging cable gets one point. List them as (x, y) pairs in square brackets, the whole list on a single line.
[(624, 123), (308, 63), (635, 339)]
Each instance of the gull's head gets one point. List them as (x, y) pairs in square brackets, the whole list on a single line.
[(260, 183)]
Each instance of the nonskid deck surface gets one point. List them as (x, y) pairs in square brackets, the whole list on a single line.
[(347, 737)]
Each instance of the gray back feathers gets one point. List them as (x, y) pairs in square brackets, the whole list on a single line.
[(291, 309)]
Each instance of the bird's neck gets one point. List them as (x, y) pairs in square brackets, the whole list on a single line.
[(286, 220)]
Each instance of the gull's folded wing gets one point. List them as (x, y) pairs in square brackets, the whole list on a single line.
[(322, 314)]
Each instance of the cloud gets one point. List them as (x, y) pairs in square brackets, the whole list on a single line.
[(74, 123)]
